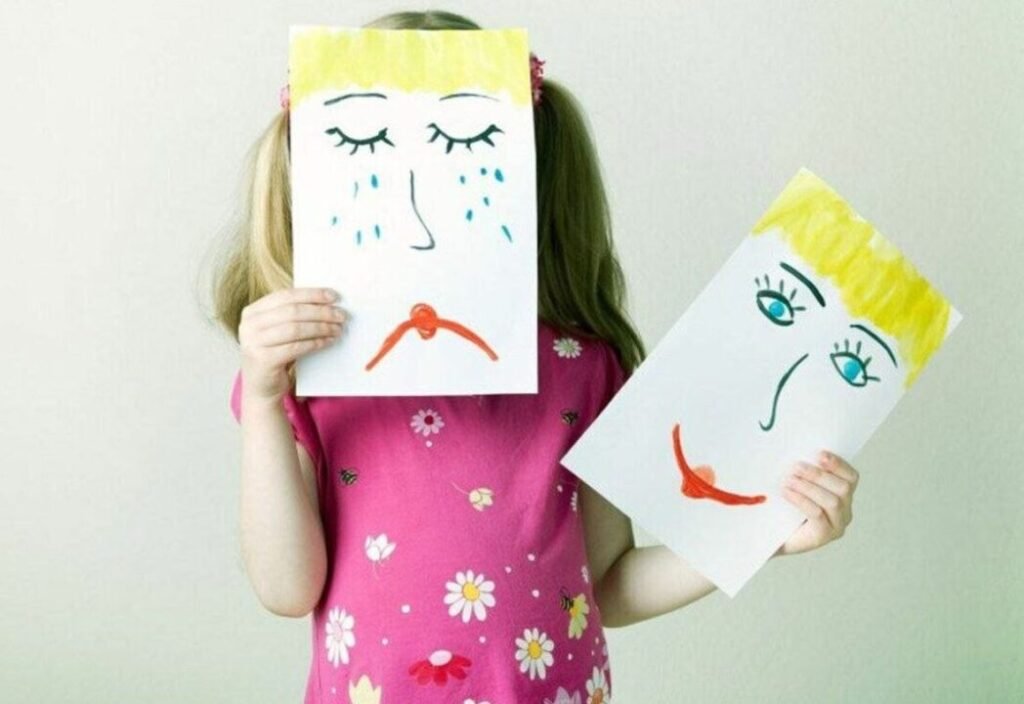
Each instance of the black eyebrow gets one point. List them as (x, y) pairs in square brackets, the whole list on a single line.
[(807, 282), (878, 339), (332, 101), (467, 95)]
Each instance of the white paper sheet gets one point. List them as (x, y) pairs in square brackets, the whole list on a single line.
[(757, 374), (412, 173)]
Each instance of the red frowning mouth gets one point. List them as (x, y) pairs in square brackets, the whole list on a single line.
[(423, 318), (699, 482)]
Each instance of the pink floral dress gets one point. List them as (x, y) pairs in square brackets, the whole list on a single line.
[(457, 567)]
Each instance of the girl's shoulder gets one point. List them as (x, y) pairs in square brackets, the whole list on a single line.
[(572, 359)]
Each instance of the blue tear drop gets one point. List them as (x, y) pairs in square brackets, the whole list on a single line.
[(469, 214), (376, 231), (462, 178), (487, 201), (359, 236), (508, 235), (498, 175), (483, 170), (373, 180)]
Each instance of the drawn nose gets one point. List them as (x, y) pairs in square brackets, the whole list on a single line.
[(429, 244), (778, 390)]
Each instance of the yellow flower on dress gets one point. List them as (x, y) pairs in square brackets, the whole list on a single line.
[(481, 498), (363, 692), (577, 609)]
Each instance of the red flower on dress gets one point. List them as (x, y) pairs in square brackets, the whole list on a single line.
[(441, 665)]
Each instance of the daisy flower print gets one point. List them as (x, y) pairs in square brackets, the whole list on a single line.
[(340, 635), (597, 688), (469, 595), (426, 422), (567, 347), (534, 653)]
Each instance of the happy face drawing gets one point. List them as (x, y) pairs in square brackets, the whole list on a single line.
[(818, 323), (804, 340), (414, 196)]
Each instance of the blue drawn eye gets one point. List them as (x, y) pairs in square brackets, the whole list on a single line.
[(850, 366), (371, 142), (484, 136), (776, 305)]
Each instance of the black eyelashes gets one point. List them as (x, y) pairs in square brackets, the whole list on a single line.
[(381, 136), (484, 136)]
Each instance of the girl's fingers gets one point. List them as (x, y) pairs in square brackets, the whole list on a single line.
[(826, 480), (289, 295), (288, 332), (295, 312), (280, 355), (807, 507), (837, 465), (828, 502)]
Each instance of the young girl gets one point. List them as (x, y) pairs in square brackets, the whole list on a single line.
[(445, 554)]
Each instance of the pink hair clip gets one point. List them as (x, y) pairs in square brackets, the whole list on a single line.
[(536, 77), (284, 95)]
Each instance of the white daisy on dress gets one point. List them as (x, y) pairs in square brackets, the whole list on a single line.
[(597, 688), (567, 347), (472, 595), (426, 422), (378, 549), (574, 499), (340, 635), (534, 652)]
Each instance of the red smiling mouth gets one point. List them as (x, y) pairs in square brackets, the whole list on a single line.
[(699, 482), (423, 318)]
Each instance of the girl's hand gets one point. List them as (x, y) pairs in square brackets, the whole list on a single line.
[(279, 328), (823, 493)]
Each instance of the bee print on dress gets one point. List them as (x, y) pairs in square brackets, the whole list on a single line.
[(577, 608), (348, 475), (569, 416)]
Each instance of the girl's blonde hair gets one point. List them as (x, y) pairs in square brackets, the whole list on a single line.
[(581, 287)]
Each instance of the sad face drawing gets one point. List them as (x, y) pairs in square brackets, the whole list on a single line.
[(414, 196)]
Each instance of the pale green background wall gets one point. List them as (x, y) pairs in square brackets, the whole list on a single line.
[(124, 124)]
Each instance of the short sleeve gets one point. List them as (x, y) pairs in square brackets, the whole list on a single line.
[(605, 375), (612, 376), (303, 427)]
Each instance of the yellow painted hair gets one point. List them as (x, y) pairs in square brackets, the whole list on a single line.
[(875, 280), (491, 60)]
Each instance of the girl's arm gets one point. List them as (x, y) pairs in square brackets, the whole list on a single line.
[(641, 583), (632, 583), (282, 536)]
